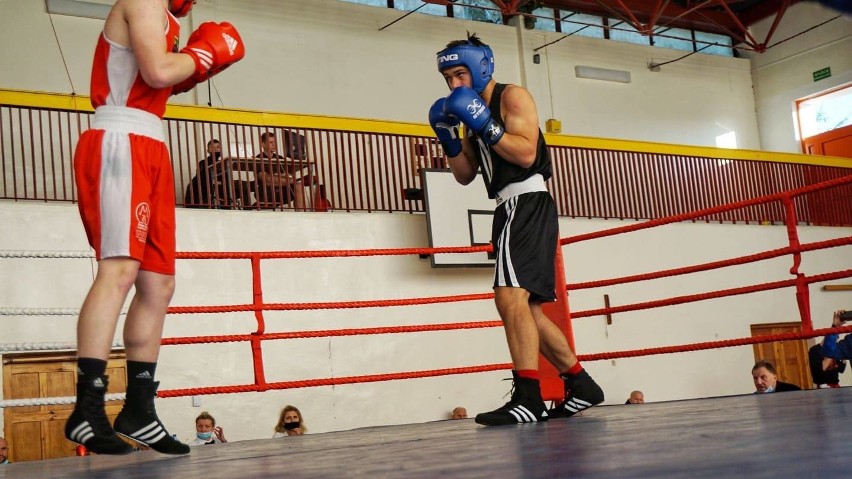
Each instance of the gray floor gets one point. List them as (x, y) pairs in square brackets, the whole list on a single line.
[(796, 434)]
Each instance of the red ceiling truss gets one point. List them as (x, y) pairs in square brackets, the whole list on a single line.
[(727, 17)]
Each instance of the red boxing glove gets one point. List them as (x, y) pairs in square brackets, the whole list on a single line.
[(214, 47)]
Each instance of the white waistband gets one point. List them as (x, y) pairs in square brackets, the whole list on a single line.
[(129, 120), (529, 185)]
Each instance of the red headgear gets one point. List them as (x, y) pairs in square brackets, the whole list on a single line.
[(180, 8)]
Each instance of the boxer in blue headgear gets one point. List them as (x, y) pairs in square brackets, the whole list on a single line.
[(477, 58), (504, 142)]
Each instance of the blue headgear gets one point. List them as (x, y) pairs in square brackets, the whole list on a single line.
[(478, 59)]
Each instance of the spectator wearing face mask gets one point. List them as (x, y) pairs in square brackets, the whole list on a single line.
[(766, 379), (206, 431), (290, 423)]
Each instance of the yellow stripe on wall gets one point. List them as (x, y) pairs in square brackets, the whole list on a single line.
[(60, 101)]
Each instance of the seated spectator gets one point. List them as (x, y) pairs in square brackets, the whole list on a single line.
[(825, 372), (206, 431), (636, 397), (831, 347), (213, 185), (4, 451), (766, 379), (208, 187), (290, 423), (459, 413), (276, 185)]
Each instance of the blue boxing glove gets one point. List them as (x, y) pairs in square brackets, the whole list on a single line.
[(446, 128), (464, 104)]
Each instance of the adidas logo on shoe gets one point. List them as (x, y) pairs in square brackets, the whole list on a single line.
[(147, 435), (581, 394), (144, 375), (512, 413), (81, 433), (575, 405), (155, 436), (98, 383), (525, 406), (522, 414)]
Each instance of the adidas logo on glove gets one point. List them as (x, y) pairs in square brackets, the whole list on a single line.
[(204, 57), (231, 42), (213, 46)]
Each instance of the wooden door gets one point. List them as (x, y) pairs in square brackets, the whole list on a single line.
[(789, 357), (821, 204), (38, 432), (837, 142)]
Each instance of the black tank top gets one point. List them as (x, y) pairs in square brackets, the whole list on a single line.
[(496, 171)]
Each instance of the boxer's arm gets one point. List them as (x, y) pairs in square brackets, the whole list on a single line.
[(519, 144), (146, 23), (464, 166)]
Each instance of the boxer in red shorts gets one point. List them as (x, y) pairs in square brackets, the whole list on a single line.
[(126, 200)]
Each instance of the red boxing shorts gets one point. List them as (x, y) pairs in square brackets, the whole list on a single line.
[(125, 188)]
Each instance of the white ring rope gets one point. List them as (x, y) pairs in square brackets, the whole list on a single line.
[(46, 254), (52, 401), (47, 346), (44, 312), (39, 311), (43, 254)]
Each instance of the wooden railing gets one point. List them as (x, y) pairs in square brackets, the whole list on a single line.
[(368, 165)]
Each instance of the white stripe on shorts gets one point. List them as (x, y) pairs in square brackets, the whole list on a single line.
[(116, 184), (504, 259), (116, 175)]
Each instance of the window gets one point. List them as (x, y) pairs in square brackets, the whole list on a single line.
[(570, 23), (582, 24), (374, 3), (541, 19), (722, 47), (428, 8), (623, 32), (825, 112), (488, 12), (674, 38)]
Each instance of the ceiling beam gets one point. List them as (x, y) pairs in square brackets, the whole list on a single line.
[(763, 9), (694, 14)]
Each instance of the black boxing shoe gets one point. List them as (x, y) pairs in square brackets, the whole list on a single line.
[(138, 421), (88, 424), (525, 405), (581, 393)]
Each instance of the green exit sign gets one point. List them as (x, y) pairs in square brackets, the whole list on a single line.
[(822, 74)]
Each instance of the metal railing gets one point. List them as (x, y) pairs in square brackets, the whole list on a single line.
[(364, 165)]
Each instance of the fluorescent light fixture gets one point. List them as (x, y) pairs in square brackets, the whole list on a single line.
[(605, 74), (76, 8)]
